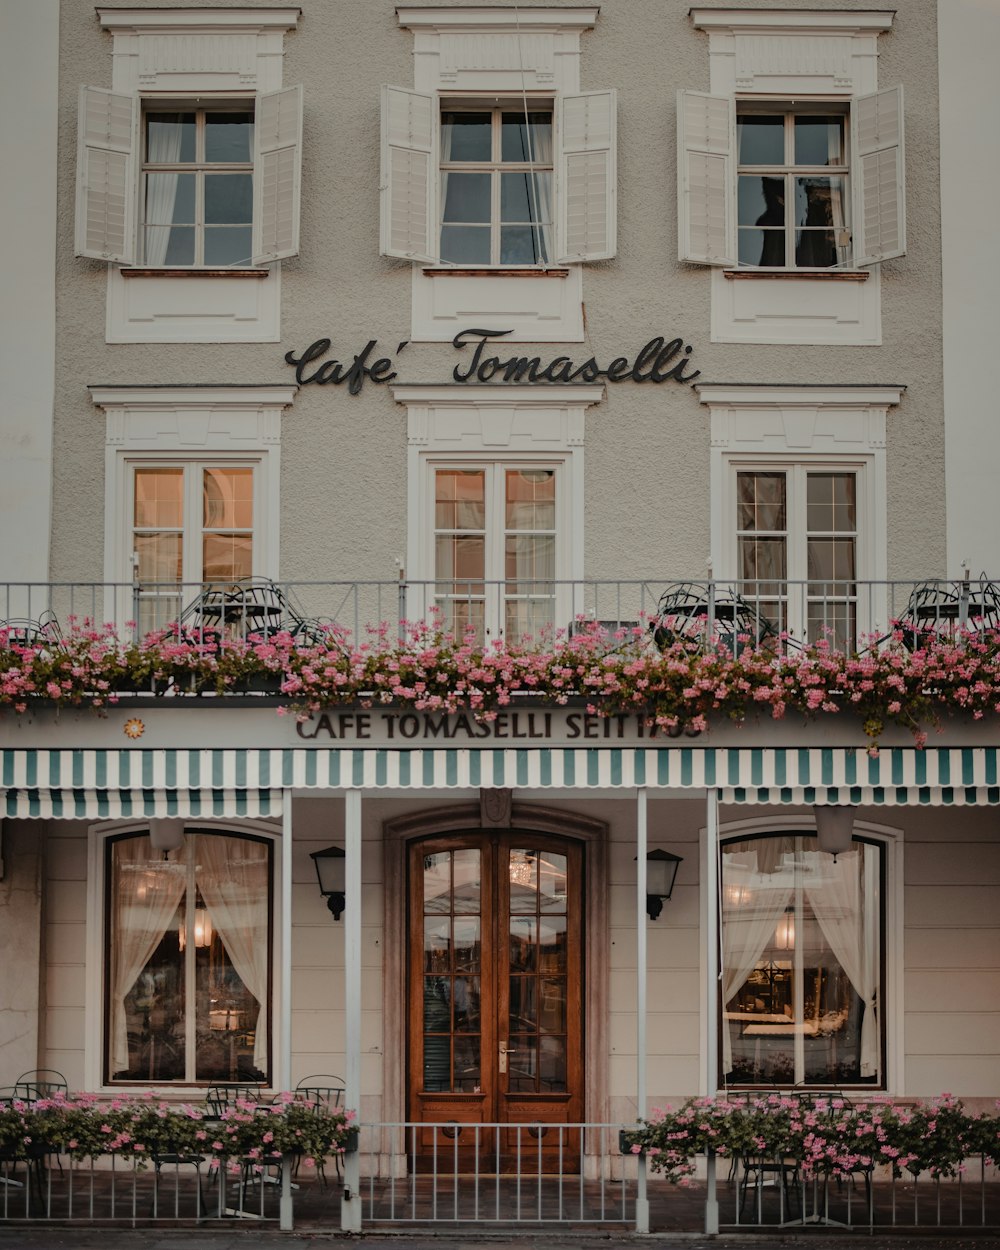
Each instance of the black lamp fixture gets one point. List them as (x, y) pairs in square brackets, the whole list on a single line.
[(661, 873), (330, 866), (834, 828)]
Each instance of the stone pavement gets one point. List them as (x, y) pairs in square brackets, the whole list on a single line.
[(35, 1238)]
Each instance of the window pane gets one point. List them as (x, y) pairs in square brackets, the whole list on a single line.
[(170, 138), (159, 557), (466, 137), (760, 501), (228, 199), (830, 559), (530, 562), (760, 139), (836, 622), (818, 249), (158, 497), (763, 560), (522, 873), (525, 196), (552, 892), (460, 502), (228, 245), (819, 140), (523, 245), (227, 557), (468, 881), (437, 946), (467, 944), (830, 502), (523, 1004), (526, 143), (466, 197), (228, 137), (170, 199), (460, 616), (529, 618), (764, 249), (465, 245), (460, 557), (819, 201), (166, 245), (227, 496), (437, 882), (531, 495)]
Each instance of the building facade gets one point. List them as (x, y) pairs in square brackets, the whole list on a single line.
[(526, 315)]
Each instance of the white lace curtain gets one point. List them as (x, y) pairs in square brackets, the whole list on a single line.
[(844, 895), (164, 148), (147, 892), (232, 876), (753, 901)]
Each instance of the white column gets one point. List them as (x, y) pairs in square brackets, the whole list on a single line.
[(285, 1057), (641, 841), (713, 980), (350, 1211)]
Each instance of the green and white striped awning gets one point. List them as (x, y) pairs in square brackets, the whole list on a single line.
[(88, 784)]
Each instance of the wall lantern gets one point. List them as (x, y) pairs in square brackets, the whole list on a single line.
[(834, 828), (330, 868), (166, 835), (661, 873)]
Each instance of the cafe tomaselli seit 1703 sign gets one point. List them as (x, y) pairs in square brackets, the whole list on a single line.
[(659, 360)]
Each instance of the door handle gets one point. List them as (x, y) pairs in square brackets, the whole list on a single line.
[(505, 1050)]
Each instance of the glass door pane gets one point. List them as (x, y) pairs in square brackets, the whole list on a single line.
[(460, 549), (451, 972), (831, 552), (158, 541), (529, 551)]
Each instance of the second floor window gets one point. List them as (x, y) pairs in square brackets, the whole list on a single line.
[(496, 187), (197, 204), (792, 197)]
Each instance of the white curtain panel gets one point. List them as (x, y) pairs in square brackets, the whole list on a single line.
[(164, 149), (146, 893)]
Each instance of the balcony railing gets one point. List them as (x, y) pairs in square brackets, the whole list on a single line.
[(776, 613)]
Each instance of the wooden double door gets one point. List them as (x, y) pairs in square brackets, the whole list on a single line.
[(495, 998)]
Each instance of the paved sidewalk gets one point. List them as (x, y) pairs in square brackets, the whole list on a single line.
[(260, 1239)]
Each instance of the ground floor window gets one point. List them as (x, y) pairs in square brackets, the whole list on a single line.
[(802, 954), (189, 959)]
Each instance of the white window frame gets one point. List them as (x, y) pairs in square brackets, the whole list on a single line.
[(892, 1004), (774, 57), (96, 971), (497, 53), (796, 473), (495, 166), (520, 426), (817, 426), (495, 468), (182, 425), (788, 171)]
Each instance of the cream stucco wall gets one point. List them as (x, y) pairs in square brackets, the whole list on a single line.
[(343, 487)]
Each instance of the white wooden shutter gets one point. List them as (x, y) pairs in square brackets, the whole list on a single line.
[(878, 171), (409, 177), (277, 174), (106, 188), (706, 178), (587, 188)]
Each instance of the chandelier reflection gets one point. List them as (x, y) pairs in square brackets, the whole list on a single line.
[(522, 868)]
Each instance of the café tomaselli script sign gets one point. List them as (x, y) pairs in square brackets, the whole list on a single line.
[(659, 360)]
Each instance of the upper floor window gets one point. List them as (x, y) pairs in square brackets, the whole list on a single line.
[(802, 954), (507, 186), (220, 186), (197, 187), (767, 184), (496, 186), (793, 194), (188, 954)]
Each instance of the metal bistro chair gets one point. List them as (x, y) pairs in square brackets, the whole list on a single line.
[(325, 1093), (219, 1099), (40, 1083), (24, 632), (257, 606), (688, 614)]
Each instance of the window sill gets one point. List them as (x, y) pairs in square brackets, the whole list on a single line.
[(449, 272), (800, 275), (135, 272)]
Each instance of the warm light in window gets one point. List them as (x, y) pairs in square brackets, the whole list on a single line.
[(784, 934), (202, 930)]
